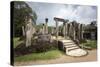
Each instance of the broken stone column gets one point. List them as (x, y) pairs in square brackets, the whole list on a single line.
[(46, 26), (43, 29)]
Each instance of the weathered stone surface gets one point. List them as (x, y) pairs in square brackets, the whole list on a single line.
[(45, 37), (76, 52), (29, 32), (71, 48)]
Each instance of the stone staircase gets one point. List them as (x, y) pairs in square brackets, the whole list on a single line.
[(71, 48)]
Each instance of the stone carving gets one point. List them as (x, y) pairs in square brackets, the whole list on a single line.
[(29, 32)]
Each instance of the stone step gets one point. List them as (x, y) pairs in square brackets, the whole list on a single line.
[(70, 46), (74, 48), (66, 41), (69, 43)]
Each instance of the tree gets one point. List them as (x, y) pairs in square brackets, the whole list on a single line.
[(20, 11)]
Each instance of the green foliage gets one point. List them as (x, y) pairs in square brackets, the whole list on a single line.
[(36, 47), (49, 29), (17, 41), (39, 56), (91, 44), (20, 11), (45, 46), (83, 41)]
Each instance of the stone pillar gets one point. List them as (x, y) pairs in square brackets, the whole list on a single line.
[(43, 29), (81, 32), (56, 29), (74, 31), (46, 26), (23, 30), (64, 29), (29, 29), (68, 25), (70, 30), (74, 34)]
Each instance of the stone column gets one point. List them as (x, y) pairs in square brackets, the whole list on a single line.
[(74, 31), (64, 29), (68, 25), (70, 30), (29, 29), (56, 29), (43, 29), (46, 26), (74, 34), (81, 31), (23, 30)]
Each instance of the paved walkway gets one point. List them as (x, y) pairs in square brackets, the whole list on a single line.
[(92, 56)]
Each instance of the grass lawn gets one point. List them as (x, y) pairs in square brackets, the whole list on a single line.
[(39, 56), (16, 41), (51, 54), (90, 43)]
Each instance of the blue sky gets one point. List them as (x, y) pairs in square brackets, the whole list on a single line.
[(81, 13)]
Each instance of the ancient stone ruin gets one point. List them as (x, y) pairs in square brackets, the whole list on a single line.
[(75, 32), (72, 31)]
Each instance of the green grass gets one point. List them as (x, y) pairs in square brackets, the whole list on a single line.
[(40, 56), (90, 43), (17, 41), (51, 54)]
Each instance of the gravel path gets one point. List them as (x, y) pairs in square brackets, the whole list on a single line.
[(92, 56)]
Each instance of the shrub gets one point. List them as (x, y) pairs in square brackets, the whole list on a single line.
[(34, 48), (45, 46)]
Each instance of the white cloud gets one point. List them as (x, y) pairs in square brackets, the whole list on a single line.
[(82, 14)]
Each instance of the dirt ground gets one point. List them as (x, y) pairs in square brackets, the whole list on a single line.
[(92, 56)]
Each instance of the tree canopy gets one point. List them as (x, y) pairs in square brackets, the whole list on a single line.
[(20, 11)]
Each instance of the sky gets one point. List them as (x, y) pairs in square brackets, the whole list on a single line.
[(80, 13)]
